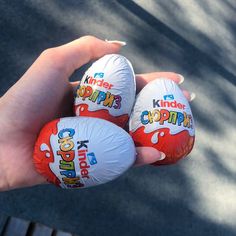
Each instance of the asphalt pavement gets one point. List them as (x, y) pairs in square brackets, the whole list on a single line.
[(197, 39)]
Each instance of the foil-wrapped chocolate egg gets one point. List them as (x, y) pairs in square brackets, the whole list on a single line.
[(80, 152), (162, 119), (107, 90)]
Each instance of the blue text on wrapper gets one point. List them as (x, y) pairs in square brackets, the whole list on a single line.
[(67, 153)]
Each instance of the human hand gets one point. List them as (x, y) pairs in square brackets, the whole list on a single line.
[(44, 93)]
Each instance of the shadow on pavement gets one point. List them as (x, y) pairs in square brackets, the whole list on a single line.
[(147, 200)]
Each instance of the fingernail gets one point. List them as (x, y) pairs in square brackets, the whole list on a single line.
[(181, 79), (192, 96), (162, 156), (122, 43)]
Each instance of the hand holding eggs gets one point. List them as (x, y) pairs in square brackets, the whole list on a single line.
[(81, 151)]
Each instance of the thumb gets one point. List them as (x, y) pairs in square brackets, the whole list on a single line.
[(148, 155)]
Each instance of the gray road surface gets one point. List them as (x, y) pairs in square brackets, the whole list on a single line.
[(195, 38)]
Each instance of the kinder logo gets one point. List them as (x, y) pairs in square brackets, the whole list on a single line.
[(83, 157), (91, 158), (170, 104), (169, 97), (100, 83), (99, 75)]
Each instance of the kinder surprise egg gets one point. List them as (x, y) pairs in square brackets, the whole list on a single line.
[(107, 90), (162, 119), (81, 152)]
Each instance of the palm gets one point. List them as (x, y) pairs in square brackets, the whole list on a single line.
[(23, 118), (19, 163)]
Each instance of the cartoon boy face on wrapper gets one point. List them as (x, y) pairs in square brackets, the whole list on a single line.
[(107, 90), (162, 119)]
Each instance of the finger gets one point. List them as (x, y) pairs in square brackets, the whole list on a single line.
[(75, 86), (190, 96), (143, 79), (79, 52), (148, 155), (60, 62), (47, 80)]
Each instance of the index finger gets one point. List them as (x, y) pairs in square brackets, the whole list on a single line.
[(69, 57), (143, 79)]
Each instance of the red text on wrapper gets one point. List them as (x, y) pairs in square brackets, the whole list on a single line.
[(172, 104), (82, 153), (98, 82), (67, 153)]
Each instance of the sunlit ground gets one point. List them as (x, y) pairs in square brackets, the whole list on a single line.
[(195, 38)]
